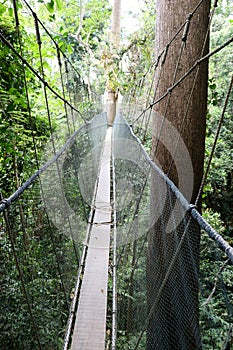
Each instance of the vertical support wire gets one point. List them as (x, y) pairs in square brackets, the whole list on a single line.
[(63, 87), (163, 53), (215, 141), (32, 125), (39, 42), (69, 94), (168, 274), (184, 38), (182, 46), (114, 266), (148, 118), (20, 272)]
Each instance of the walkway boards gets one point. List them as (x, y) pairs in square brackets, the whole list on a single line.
[(90, 324)]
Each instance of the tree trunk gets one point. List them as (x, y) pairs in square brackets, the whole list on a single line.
[(116, 19), (114, 41), (170, 15), (178, 148)]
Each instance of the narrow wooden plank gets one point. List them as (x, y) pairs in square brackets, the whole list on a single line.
[(90, 324)]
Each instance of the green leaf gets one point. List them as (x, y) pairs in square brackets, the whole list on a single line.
[(2, 9), (19, 5), (50, 6), (59, 4), (46, 65), (213, 86), (10, 11), (52, 18)]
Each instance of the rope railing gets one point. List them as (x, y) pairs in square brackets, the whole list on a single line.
[(32, 12), (195, 65), (140, 223), (153, 314), (26, 212), (163, 54), (224, 246), (45, 83), (185, 222), (6, 202)]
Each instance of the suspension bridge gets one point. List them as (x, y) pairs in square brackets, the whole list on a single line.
[(123, 236)]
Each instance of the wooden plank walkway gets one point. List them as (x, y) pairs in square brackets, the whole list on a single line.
[(90, 324)]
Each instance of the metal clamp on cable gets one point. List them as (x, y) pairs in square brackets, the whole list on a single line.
[(191, 207), (4, 204)]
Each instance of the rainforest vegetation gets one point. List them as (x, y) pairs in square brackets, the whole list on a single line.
[(81, 30)]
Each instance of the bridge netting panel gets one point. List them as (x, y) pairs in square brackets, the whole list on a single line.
[(166, 298), (69, 183), (38, 268), (42, 235)]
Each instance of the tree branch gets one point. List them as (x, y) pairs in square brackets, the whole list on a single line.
[(82, 12), (216, 280)]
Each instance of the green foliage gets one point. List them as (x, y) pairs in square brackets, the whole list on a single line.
[(22, 129), (6, 20), (85, 41), (135, 55), (216, 272), (19, 129), (141, 54), (37, 261), (219, 188), (128, 343), (216, 298)]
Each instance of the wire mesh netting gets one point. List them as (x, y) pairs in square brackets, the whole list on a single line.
[(69, 183), (174, 285), (38, 268), (42, 236), (215, 296), (174, 288)]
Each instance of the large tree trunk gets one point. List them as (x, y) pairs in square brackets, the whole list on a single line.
[(174, 323), (170, 15)]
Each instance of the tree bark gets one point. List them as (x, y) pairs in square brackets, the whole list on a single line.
[(114, 44), (174, 323), (170, 15), (116, 19)]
